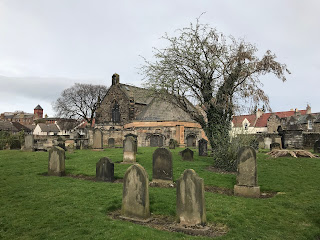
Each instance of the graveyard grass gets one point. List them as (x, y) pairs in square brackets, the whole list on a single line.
[(34, 206)]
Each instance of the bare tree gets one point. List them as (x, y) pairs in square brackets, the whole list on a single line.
[(79, 101), (215, 72)]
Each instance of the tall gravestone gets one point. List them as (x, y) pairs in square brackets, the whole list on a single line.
[(190, 199), (135, 198), (28, 143), (162, 165), (267, 142), (316, 147), (111, 142), (129, 152), (135, 140), (97, 140), (105, 170), (203, 147), (172, 144), (56, 164), (187, 154), (247, 179)]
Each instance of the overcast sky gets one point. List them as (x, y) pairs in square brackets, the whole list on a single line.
[(48, 45)]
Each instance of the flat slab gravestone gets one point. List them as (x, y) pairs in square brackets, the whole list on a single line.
[(129, 152), (97, 140), (135, 198), (203, 147), (29, 143), (56, 163), (105, 170), (316, 146), (162, 165), (247, 180), (190, 199), (187, 154)]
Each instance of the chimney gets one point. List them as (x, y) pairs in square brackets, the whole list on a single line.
[(115, 79), (259, 113), (308, 109)]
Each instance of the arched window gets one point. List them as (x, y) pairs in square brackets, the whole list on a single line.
[(115, 113)]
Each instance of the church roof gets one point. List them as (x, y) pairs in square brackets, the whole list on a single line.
[(160, 110), (140, 95)]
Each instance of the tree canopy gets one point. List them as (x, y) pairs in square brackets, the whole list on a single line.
[(214, 72), (79, 101)]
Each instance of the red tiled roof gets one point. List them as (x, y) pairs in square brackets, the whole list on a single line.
[(263, 119)]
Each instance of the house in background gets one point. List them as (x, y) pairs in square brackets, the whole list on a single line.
[(13, 127), (22, 117), (270, 122)]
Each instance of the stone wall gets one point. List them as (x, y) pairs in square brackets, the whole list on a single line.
[(309, 139)]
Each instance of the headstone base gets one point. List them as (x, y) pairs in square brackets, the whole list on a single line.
[(58, 174), (136, 219), (192, 229), (247, 191), (98, 149), (129, 157)]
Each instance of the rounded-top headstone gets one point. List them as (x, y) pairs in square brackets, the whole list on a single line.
[(135, 199), (187, 154), (162, 164), (247, 167), (316, 147), (190, 199), (56, 163)]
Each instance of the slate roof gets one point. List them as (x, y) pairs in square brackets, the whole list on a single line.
[(21, 127), (7, 126), (160, 110), (48, 127), (140, 95), (67, 125), (38, 107)]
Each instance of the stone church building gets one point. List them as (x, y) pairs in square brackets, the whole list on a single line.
[(127, 109)]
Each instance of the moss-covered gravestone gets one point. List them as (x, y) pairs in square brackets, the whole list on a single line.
[(187, 154), (135, 198), (190, 199), (129, 150), (56, 163), (247, 180), (105, 170), (97, 140), (162, 165), (111, 142), (203, 147)]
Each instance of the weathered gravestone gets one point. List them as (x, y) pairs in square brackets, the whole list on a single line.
[(105, 170), (129, 153), (247, 180), (203, 147), (172, 144), (111, 142), (135, 140), (97, 140), (275, 146), (187, 154), (28, 143), (162, 165), (135, 199), (56, 164), (190, 199), (316, 146)]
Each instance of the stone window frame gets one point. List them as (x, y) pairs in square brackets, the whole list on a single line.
[(310, 124)]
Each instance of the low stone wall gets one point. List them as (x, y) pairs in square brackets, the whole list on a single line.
[(309, 139)]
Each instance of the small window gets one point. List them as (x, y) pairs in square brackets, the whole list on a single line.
[(310, 125)]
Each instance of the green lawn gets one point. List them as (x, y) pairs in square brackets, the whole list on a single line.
[(34, 206)]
